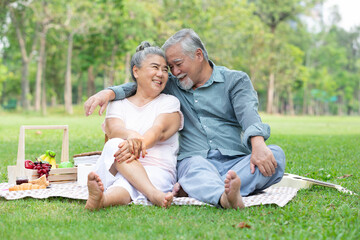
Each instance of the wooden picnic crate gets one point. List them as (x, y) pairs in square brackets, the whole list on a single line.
[(57, 175)]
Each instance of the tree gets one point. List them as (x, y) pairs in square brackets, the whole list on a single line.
[(21, 19), (45, 18), (77, 21), (273, 13)]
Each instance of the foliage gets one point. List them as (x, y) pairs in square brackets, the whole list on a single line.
[(266, 39)]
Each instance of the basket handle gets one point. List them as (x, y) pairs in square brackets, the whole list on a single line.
[(20, 165)]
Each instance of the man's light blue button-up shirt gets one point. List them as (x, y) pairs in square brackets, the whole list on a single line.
[(221, 114)]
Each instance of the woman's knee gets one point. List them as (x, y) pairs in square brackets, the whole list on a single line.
[(113, 144), (114, 141)]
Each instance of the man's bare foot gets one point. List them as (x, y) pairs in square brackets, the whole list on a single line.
[(162, 199), (231, 198), (96, 192), (178, 191)]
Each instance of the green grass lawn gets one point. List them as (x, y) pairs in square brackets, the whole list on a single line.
[(324, 148)]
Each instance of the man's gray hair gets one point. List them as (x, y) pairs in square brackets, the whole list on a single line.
[(189, 40), (142, 51)]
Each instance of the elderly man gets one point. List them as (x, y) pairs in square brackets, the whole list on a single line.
[(223, 154)]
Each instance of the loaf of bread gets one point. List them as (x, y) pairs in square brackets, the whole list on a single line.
[(40, 181), (26, 186)]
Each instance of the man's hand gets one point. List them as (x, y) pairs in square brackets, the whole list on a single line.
[(262, 157), (101, 99)]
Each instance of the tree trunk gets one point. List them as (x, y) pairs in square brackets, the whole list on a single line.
[(2, 96), (43, 98), (127, 67), (79, 90), (291, 102), (271, 85), (112, 66), (340, 105), (310, 107), (280, 105), (305, 100), (25, 88), (53, 101), (327, 109), (68, 87), (91, 82), (270, 94), (40, 69), (276, 104)]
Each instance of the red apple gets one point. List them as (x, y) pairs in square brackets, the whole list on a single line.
[(29, 164)]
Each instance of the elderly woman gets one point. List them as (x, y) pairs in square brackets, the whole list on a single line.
[(149, 121)]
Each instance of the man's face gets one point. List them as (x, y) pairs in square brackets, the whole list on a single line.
[(182, 66)]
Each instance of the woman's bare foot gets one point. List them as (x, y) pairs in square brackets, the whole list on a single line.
[(96, 192), (178, 191), (231, 198), (162, 199)]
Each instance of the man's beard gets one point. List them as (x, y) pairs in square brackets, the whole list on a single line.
[(185, 83)]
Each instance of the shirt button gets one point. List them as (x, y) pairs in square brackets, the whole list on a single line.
[(210, 141), (196, 100)]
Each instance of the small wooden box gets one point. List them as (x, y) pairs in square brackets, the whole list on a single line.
[(57, 175)]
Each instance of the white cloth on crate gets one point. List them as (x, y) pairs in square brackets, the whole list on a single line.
[(160, 162)]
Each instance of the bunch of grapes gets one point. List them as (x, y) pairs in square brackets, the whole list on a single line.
[(42, 168)]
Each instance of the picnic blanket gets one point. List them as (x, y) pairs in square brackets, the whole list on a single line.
[(273, 195), (279, 194)]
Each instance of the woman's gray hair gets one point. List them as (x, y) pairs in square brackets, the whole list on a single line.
[(142, 51), (190, 42)]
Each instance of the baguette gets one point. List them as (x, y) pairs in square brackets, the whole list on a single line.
[(40, 181), (26, 186)]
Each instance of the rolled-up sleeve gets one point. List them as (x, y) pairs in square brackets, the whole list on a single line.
[(245, 103), (257, 129), (124, 90)]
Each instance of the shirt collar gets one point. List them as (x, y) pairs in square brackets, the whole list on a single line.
[(215, 76)]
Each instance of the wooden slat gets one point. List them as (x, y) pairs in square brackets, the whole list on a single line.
[(36, 127), (31, 174), (63, 170), (62, 177), (65, 146), (20, 162), (65, 181), (87, 154)]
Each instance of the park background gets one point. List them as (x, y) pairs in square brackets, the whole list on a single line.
[(302, 59)]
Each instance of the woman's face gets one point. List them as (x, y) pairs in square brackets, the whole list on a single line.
[(152, 76)]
